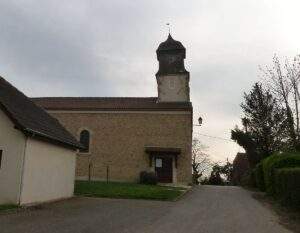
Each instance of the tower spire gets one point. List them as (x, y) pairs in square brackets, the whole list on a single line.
[(172, 77)]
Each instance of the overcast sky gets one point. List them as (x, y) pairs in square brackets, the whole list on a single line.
[(107, 48)]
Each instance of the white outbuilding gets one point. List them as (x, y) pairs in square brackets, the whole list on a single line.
[(37, 154)]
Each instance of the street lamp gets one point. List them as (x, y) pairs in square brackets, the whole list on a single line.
[(200, 120)]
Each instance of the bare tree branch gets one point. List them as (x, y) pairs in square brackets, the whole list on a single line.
[(201, 161)]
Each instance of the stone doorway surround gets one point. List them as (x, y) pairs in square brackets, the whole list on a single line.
[(170, 152)]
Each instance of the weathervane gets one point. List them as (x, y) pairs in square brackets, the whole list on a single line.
[(169, 27)]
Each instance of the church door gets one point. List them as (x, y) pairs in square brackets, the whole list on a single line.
[(164, 169)]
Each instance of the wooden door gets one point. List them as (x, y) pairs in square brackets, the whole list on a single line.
[(164, 169)]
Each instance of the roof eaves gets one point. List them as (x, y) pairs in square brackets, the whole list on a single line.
[(30, 132), (189, 108), (33, 133)]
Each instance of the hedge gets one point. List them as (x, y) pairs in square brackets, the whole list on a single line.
[(248, 179), (259, 177), (287, 183), (277, 161)]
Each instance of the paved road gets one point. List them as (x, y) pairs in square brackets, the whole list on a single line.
[(206, 209)]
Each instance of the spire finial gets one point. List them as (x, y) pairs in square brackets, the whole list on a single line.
[(169, 28)]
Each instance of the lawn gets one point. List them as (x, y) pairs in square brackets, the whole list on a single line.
[(127, 190), (8, 207)]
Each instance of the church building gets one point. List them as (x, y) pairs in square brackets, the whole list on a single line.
[(125, 136)]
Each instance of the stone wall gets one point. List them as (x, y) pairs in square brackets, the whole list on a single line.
[(173, 88), (118, 140)]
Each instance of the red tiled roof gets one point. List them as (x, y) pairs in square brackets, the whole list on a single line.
[(109, 103)]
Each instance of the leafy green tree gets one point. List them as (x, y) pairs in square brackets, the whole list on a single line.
[(248, 142), (215, 178), (220, 174), (265, 125), (224, 170)]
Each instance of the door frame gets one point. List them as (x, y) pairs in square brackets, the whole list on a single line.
[(169, 172), (171, 152)]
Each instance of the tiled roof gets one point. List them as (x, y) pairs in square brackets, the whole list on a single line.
[(31, 119), (110, 104)]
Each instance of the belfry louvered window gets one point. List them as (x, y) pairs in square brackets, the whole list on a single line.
[(85, 141)]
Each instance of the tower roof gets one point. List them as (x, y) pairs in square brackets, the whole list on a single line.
[(171, 55), (170, 44)]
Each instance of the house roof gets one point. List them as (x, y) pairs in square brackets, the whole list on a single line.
[(110, 104), (31, 119)]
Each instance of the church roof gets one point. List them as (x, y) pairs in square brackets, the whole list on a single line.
[(170, 44), (110, 104), (31, 119)]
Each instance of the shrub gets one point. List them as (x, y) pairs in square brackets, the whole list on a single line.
[(287, 186), (148, 178), (259, 177), (204, 181), (215, 179), (248, 179), (253, 178), (195, 178), (277, 161)]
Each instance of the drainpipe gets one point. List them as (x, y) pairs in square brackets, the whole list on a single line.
[(22, 171)]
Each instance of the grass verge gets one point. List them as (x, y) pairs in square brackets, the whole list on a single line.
[(8, 207), (127, 190)]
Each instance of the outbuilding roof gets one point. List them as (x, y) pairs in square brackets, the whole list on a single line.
[(31, 119), (110, 104)]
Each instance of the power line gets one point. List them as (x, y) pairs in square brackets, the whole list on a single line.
[(215, 137)]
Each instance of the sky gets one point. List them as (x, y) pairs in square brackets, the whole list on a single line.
[(107, 48)]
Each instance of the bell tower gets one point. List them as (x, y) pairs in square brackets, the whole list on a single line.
[(172, 77)]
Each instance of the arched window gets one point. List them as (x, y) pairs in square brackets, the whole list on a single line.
[(85, 141)]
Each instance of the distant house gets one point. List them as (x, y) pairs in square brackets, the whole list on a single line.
[(240, 168), (37, 155), (127, 135)]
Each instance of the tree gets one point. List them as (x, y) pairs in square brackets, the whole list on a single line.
[(225, 170), (215, 178), (248, 142), (283, 83), (293, 76), (264, 123), (266, 120), (200, 160), (221, 174)]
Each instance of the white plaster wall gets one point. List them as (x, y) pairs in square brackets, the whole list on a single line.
[(49, 172), (173, 88), (12, 142)]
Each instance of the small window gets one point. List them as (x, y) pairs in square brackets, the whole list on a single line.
[(85, 141), (1, 158)]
